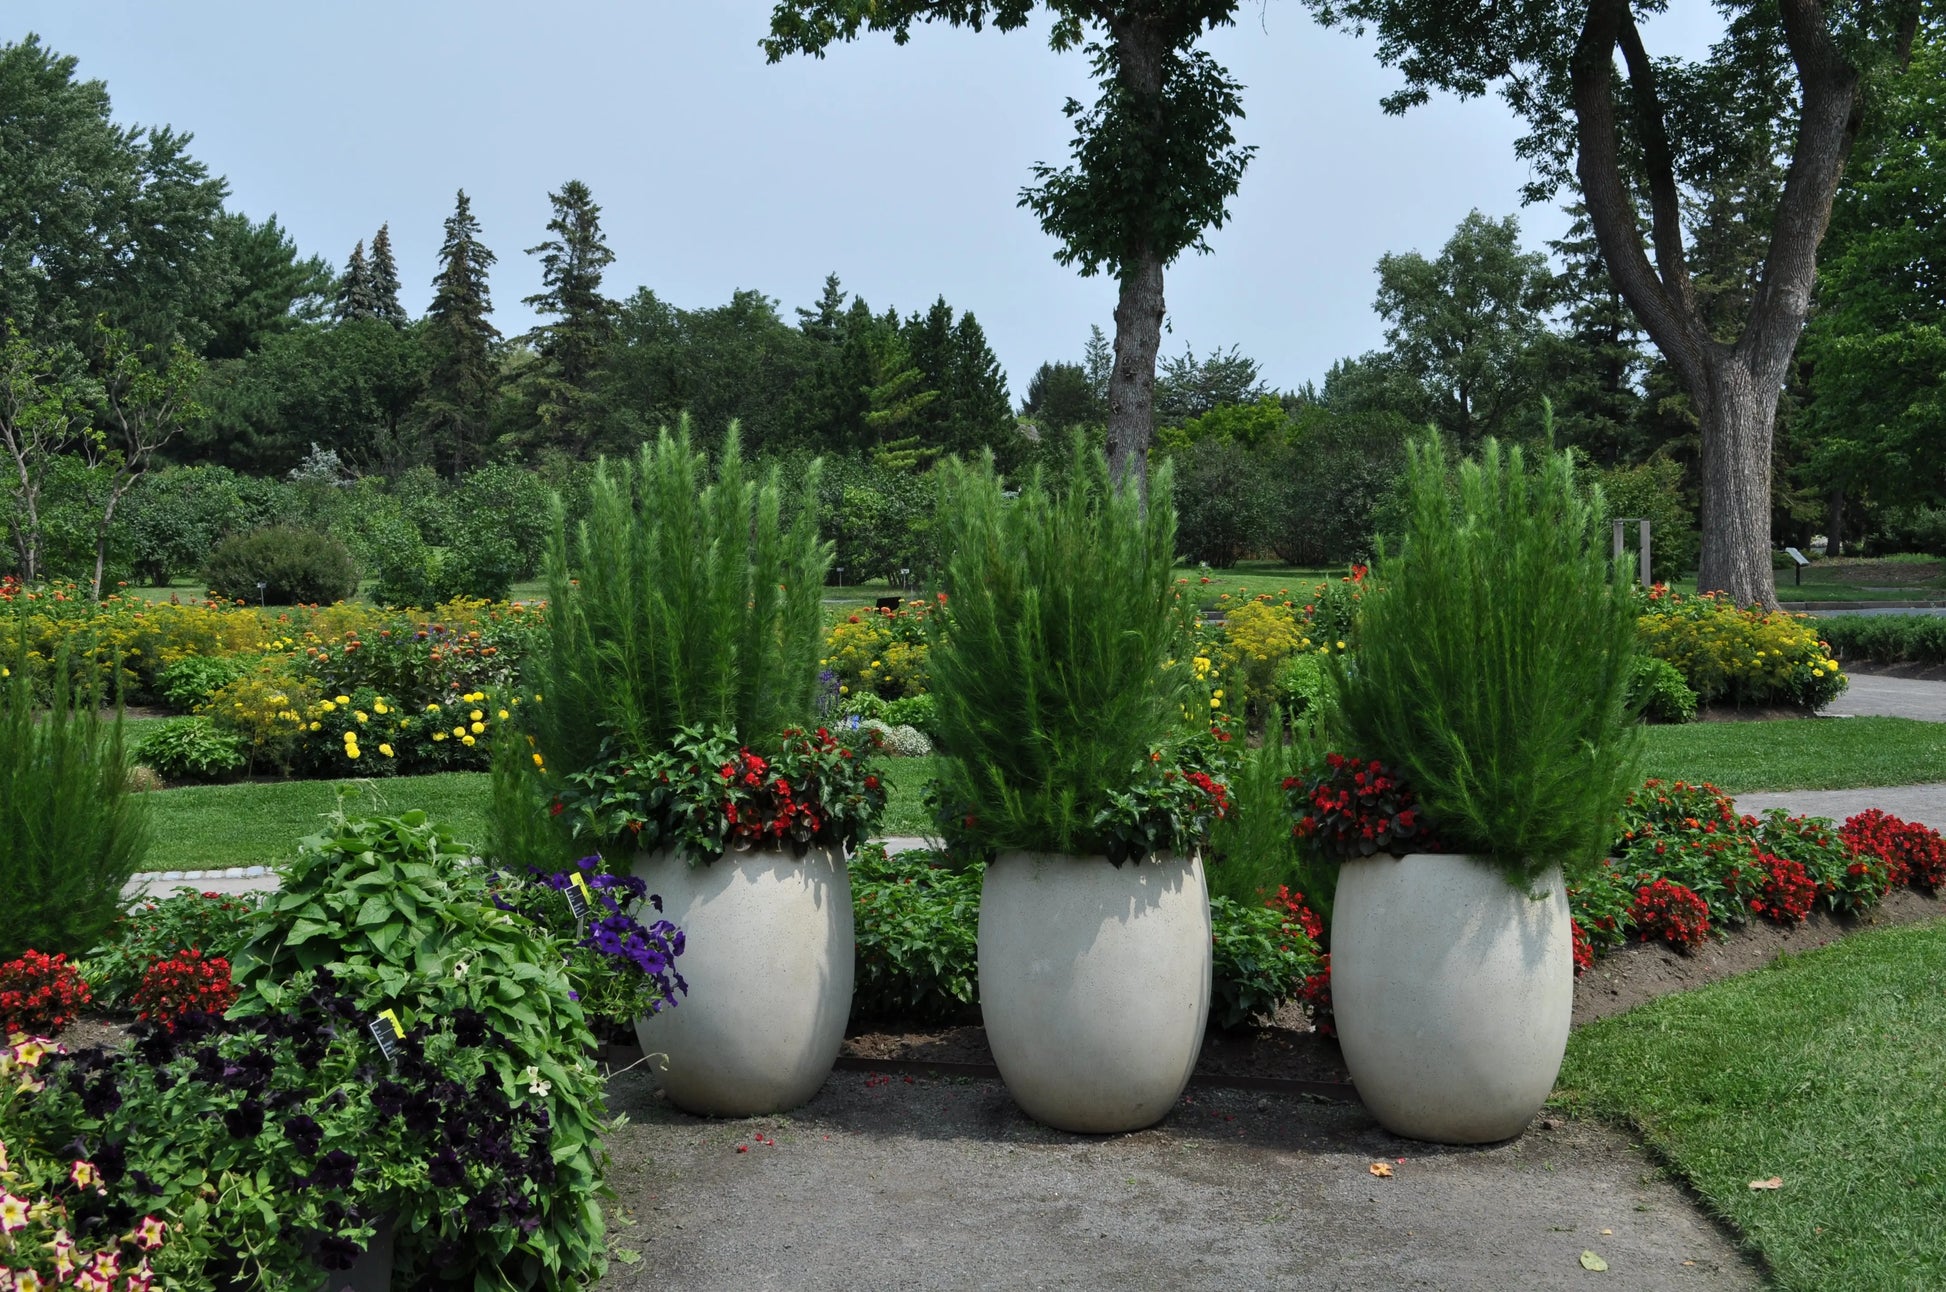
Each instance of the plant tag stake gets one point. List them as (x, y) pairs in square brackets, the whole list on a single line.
[(387, 1031), (580, 900)]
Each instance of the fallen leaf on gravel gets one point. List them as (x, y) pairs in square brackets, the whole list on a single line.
[(1590, 1261), (1381, 1170), (1606, 1232), (1774, 1182)]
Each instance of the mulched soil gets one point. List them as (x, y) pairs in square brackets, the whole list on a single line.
[(1286, 1048)]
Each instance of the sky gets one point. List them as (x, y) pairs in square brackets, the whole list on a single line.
[(899, 168)]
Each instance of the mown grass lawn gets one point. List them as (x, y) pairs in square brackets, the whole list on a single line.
[(1799, 753), (210, 826), (243, 825), (1824, 1071)]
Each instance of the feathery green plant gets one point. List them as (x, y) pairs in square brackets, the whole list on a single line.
[(682, 601), (71, 830), (1254, 847), (1054, 661), (1494, 660)]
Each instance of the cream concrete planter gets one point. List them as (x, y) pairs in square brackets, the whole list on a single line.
[(1094, 985), (1453, 992), (769, 965)]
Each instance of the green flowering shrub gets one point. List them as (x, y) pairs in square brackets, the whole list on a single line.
[(918, 936), (1260, 960), (192, 749), (215, 924), (1658, 690)]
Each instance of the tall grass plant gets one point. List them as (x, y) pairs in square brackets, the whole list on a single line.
[(1059, 658), (71, 830), (1494, 660), (681, 600)]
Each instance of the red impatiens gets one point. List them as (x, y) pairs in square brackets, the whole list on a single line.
[(1914, 853), (1672, 913), (1786, 891)]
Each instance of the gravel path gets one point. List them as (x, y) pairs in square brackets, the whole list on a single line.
[(1877, 695), (1926, 803), (943, 1184)]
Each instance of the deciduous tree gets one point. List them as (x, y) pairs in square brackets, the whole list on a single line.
[(1154, 161), (1786, 85)]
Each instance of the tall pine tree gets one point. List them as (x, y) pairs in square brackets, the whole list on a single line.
[(355, 298), (460, 340), (385, 279), (573, 347)]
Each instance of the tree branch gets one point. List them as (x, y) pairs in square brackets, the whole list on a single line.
[(1665, 305)]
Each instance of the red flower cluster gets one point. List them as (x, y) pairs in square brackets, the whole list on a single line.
[(40, 994), (1292, 907), (1787, 890), (1584, 948), (1357, 808), (1915, 854), (186, 981), (1315, 996), (1218, 793), (1670, 912)]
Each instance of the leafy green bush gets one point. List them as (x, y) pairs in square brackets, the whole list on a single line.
[(296, 567), (192, 749), (1656, 688), (71, 830), (1302, 686), (1258, 961), (1055, 663), (1224, 502), (1886, 639), (918, 936), (1252, 850), (215, 924), (680, 602), (399, 917), (190, 681), (919, 711), (1494, 659)]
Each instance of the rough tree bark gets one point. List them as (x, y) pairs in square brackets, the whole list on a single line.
[(1734, 386), (1139, 50)]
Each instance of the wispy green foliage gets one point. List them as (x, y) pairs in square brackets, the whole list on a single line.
[(681, 601), (1253, 848), (1494, 660), (71, 832), (1054, 661)]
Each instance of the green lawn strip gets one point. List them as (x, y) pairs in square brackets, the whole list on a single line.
[(1823, 1070), (204, 827), (210, 826), (1799, 753)]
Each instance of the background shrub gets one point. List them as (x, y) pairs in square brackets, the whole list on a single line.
[(213, 923), (297, 567), (1258, 961), (1657, 690), (1886, 639), (192, 680), (918, 936), (71, 830), (192, 749), (1224, 502), (1493, 662)]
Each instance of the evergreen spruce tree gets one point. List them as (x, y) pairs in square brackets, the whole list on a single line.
[(385, 279), (1596, 365), (573, 347), (355, 298), (460, 339), (976, 390), (825, 323)]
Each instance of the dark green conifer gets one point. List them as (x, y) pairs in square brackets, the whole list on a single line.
[(460, 389), (573, 347), (355, 299), (385, 279)]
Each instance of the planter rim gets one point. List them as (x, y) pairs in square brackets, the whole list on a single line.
[(749, 854), (1093, 858)]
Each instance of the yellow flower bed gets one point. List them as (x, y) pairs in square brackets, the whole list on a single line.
[(1740, 656)]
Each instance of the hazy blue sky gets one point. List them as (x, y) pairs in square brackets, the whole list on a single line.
[(898, 168)]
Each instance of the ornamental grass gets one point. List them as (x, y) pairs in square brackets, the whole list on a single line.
[(682, 600), (1494, 660), (1057, 661)]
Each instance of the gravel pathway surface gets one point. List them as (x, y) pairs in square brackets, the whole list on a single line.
[(1926, 803), (943, 1184), (1877, 695)]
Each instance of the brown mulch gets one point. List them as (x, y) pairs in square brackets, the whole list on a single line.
[(1286, 1048)]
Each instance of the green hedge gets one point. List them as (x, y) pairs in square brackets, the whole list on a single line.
[(1886, 639)]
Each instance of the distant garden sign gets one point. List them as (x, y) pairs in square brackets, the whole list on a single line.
[(1642, 565)]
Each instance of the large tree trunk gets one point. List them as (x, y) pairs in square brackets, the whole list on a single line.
[(1131, 383), (1738, 415), (1834, 523)]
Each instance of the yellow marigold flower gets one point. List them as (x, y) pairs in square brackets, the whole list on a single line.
[(324, 706), (1215, 703), (474, 716), (1341, 645), (386, 750), (432, 708), (459, 731), (478, 728), (361, 716), (316, 725), (468, 741), (1219, 693), (504, 715), (344, 699), (439, 735), (351, 751), (537, 761), (378, 706)]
